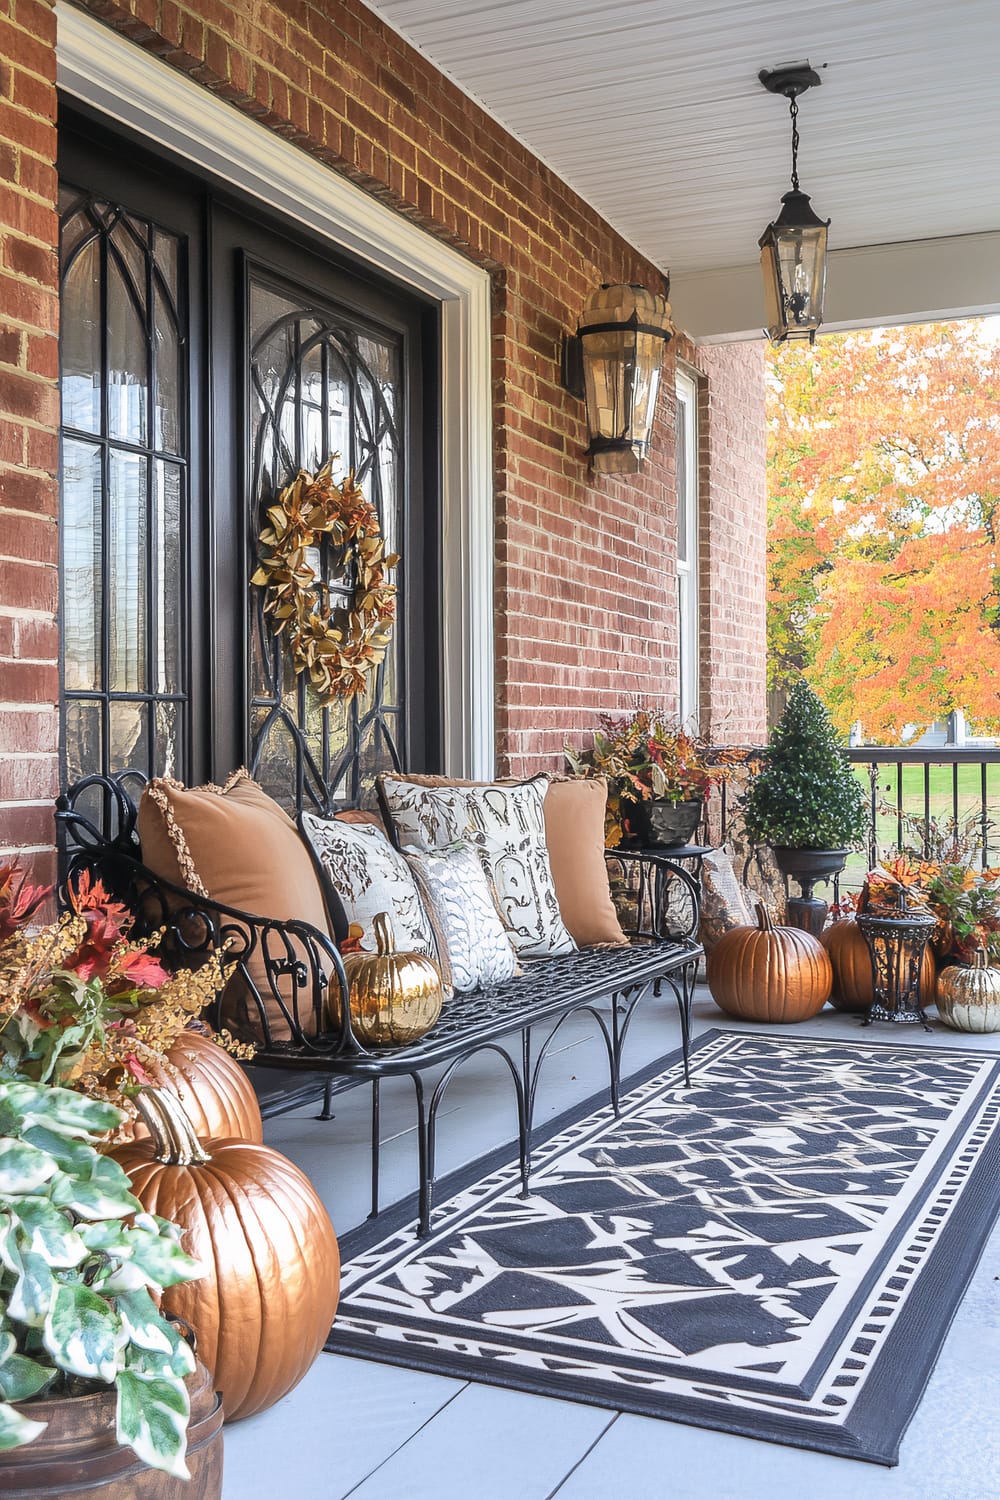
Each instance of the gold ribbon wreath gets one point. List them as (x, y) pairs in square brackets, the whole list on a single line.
[(337, 646)]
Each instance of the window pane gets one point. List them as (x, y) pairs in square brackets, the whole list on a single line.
[(80, 344), (168, 378), (129, 748), (84, 753), (127, 530), (169, 581), (128, 357), (81, 561), (168, 743)]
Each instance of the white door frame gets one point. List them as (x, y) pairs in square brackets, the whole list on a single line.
[(136, 89)]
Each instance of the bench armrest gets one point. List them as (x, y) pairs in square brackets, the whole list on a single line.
[(279, 991), (661, 898)]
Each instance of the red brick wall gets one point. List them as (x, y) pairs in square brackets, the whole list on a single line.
[(584, 567), (733, 494), (29, 414)]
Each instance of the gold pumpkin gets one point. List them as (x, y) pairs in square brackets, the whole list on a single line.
[(768, 973), (853, 990), (968, 998), (395, 997)]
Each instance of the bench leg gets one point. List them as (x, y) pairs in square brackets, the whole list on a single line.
[(525, 1111), (684, 1004), (376, 1145), (425, 1161)]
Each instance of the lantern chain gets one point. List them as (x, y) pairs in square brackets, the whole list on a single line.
[(793, 108)]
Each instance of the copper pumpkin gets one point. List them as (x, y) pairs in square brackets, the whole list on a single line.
[(769, 973), (263, 1310), (217, 1096), (395, 997), (853, 990), (968, 997)]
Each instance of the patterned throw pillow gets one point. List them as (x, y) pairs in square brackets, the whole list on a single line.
[(466, 921), (724, 904), (505, 826), (370, 876)]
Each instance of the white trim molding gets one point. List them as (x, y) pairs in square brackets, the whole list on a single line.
[(135, 89)]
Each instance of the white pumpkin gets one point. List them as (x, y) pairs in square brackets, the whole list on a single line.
[(968, 997)]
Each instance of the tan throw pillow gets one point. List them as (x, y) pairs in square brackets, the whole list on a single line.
[(235, 845), (724, 903), (574, 834)]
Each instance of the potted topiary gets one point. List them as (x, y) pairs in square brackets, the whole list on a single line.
[(806, 801), (95, 1384)]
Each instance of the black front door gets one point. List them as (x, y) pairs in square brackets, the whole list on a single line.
[(207, 355)]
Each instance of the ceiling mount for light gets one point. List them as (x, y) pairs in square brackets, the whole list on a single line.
[(793, 247)]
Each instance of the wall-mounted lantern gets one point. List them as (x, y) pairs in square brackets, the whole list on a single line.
[(613, 362), (793, 248)]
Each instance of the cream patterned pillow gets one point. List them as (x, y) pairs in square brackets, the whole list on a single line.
[(476, 946), (724, 903), (370, 876), (505, 826)]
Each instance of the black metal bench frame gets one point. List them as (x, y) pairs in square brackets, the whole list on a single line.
[(97, 820)]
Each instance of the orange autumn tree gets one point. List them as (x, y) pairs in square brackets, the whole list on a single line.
[(884, 508)]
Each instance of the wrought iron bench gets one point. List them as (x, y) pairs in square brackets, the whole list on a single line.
[(291, 1016)]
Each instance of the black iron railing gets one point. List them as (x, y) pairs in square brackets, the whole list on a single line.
[(923, 799), (920, 796)]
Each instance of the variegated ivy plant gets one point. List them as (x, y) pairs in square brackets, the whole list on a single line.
[(79, 1260)]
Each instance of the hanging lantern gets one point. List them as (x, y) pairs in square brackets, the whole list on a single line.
[(793, 248), (620, 340)]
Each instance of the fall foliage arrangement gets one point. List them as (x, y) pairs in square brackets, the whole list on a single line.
[(806, 795), (337, 646), (965, 901), (644, 758), (82, 1003)]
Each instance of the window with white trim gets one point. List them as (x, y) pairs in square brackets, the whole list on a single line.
[(688, 599)]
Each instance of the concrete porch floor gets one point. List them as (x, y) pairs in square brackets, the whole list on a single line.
[(353, 1427)]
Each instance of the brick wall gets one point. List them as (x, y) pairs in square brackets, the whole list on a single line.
[(29, 413), (584, 567), (733, 524)]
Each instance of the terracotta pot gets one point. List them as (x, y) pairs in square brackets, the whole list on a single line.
[(77, 1453)]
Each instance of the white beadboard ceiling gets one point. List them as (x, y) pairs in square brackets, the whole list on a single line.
[(652, 111)]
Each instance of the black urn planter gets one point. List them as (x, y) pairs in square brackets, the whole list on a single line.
[(664, 825), (807, 866)]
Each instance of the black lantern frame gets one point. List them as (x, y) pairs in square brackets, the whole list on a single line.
[(896, 941), (613, 362), (793, 247)]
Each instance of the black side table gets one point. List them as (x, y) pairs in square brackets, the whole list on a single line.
[(655, 866)]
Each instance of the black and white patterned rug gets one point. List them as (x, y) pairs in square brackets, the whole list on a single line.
[(777, 1251)]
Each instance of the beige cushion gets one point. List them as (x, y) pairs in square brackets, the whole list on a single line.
[(574, 812), (235, 845)]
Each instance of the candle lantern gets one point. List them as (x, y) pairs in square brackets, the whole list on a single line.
[(896, 939)]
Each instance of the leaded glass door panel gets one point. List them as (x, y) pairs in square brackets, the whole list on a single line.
[(323, 385)]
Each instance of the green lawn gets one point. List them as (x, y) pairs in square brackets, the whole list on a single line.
[(946, 793)]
